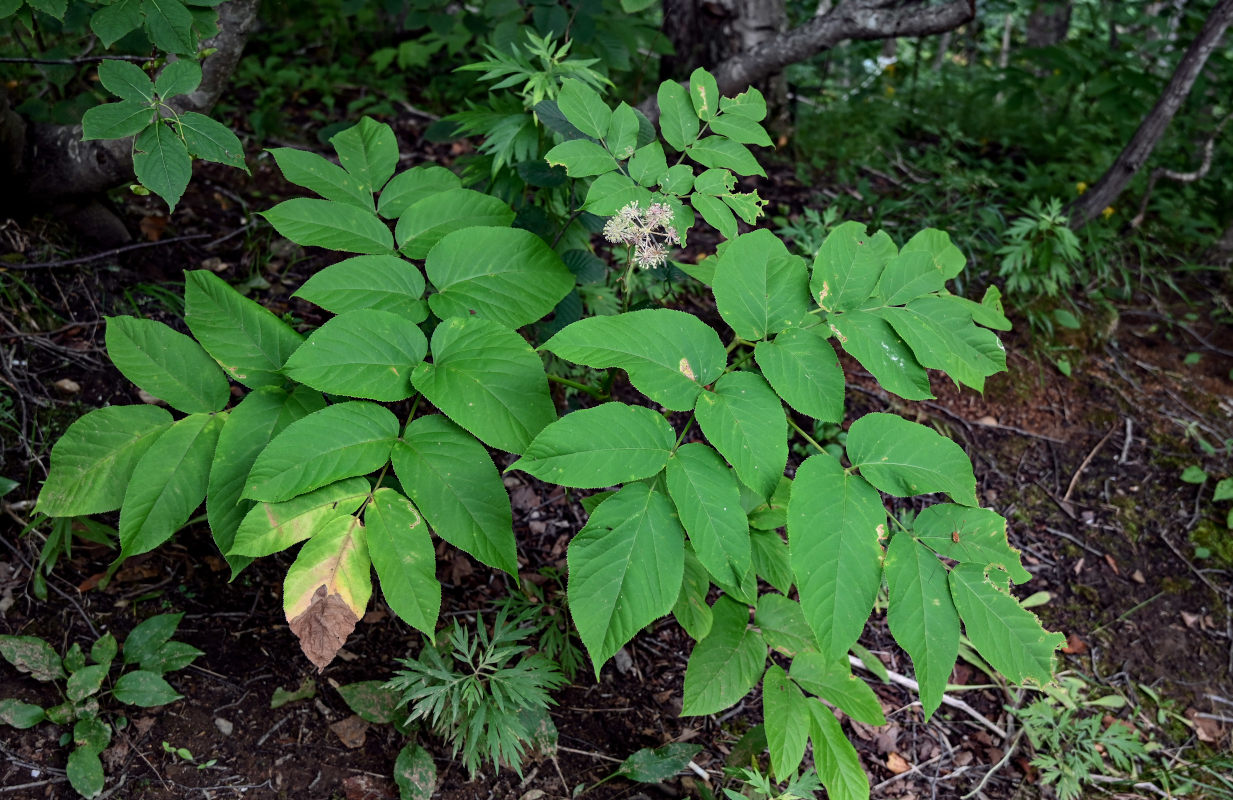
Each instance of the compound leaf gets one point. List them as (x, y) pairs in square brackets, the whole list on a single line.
[(272, 527), (971, 535), (760, 288), (848, 265), (803, 369)]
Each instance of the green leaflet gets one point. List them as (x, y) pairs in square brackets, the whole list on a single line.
[(704, 93), (126, 80), (803, 369), (330, 224), (625, 569), (648, 165), (603, 446), (250, 426), (487, 379), (162, 163), (787, 721), (319, 175), (741, 129), (834, 682), (384, 283), (669, 355), (92, 462), (725, 665), (415, 773), (507, 275), (167, 364), (610, 192), (168, 483), (947, 259), (939, 341), (144, 641), (678, 123), (249, 342), (835, 522), (691, 610), (402, 553), (211, 140), (905, 458), (339, 441), (749, 104), (716, 214), (410, 186), (872, 342), (368, 151), (1007, 635), (760, 288), (581, 158), (745, 421), (426, 221), (909, 275), (116, 120), (622, 135), (922, 616), (721, 152), (111, 23), (363, 353), (767, 514), (85, 772), (973, 535), (273, 527), (783, 625), (848, 266), (771, 560), (32, 655), (838, 765), (708, 501), (454, 483), (583, 106), (178, 77)]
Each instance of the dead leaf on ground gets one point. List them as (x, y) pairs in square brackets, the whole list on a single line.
[(1191, 620), (897, 764), (1137, 576), (351, 731), (152, 227), (1074, 645), (367, 787), (143, 725), (1209, 730)]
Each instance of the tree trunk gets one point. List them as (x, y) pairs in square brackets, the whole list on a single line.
[(1132, 158), (1048, 23), (49, 164)]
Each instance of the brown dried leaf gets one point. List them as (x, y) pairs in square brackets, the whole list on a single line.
[(1074, 645), (897, 764), (367, 787), (351, 731), (323, 627)]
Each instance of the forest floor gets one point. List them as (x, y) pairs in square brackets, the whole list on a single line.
[(1136, 564)]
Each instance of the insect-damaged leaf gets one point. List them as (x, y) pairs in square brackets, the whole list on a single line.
[(327, 589)]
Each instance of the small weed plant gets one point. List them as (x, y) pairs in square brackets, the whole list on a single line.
[(486, 694), (360, 439), (84, 681)]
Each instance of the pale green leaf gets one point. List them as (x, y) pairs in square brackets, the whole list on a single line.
[(20, 715), (583, 106), (970, 535), (678, 123), (410, 186), (848, 266), (833, 681), (364, 353), (716, 214), (85, 772), (708, 501), (610, 444), (749, 104), (939, 340), (327, 589), (316, 174), (947, 259), (760, 288), (622, 135), (741, 129), (402, 553), (339, 441), (625, 569), (787, 722), (648, 166), (725, 665), (273, 527), (32, 655), (415, 773), (905, 458), (835, 522), (487, 379), (704, 93), (719, 151), (454, 483), (384, 283), (874, 343), (909, 275), (368, 151), (834, 757), (922, 616), (167, 364), (427, 220), (743, 418), (612, 191), (581, 158), (803, 369), (783, 625), (330, 224), (771, 559)]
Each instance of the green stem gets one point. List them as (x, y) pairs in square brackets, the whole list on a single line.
[(582, 387), (803, 435), (748, 354), (684, 433)]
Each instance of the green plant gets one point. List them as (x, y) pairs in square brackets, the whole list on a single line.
[(485, 694), (86, 687), (547, 611), (696, 492), (758, 784), (184, 754)]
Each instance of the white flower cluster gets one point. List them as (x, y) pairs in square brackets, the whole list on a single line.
[(648, 233)]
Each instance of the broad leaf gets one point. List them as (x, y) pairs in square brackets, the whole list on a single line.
[(834, 757), (972, 535), (327, 589), (167, 364), (248, 341), (144, 689), (330, 224), (250, 426), (803, 369), (316, 174), (507, 275), (85, 682), (273, 527), (454, 483), (415, 773), (678, 123), (835, 522), (487, 379), (368, 151), (834, 682), (873, 343), (603, 446), (922, 616), (771, 559), (581, 158), (126, 80), (719, 151), (178, 77), (715, 213), (654, 765), (745, 421), (364, 353), (760, 288), (783, 625), (116, 120), (169, 25), (904, 458), (583, 106), (1006, 634), (339, 441), (708, 501), (171, 656), (144, 641), (168, 483), (622, 135), (691, 609), (211, 140), (20, 715), (402, 553), (85, 772), (427, 220), (725, 665), (612, 191), (787, 722), (384, 283), (704, 92), (93, 460), (848, 266), (669, 355), (648, 166), (909, 275), (412, 185), (372, 701), (112, 23), (940, 340), (741, 129), (32, 655), (947, 259), (625, 569), (162, 163), (749, 104)]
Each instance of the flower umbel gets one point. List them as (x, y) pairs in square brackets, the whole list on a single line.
[(648, 233)]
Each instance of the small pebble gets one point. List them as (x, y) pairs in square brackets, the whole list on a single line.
[(224, 727)]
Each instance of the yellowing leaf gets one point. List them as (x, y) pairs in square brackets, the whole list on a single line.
[(327, 589)]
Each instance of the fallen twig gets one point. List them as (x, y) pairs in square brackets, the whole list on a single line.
[(105, 253)]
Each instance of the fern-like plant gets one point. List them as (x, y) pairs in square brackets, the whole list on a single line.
[(485, 694)]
